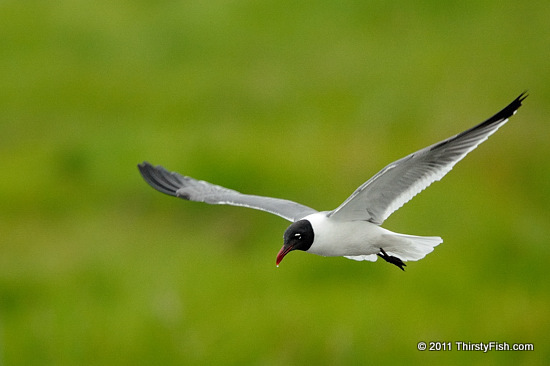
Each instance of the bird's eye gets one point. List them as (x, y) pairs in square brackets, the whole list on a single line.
[(298, 236)]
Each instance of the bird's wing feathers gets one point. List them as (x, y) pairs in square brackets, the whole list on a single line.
[(401, 180), (176, 185)]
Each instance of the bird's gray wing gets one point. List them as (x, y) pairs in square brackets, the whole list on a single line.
[(176, 185), (401, 180)]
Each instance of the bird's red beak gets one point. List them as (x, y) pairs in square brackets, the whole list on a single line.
[(284, 251)]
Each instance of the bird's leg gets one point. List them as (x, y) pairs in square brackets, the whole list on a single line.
[(391, 259)]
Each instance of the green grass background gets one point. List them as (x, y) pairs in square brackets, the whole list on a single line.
[(300, 100)]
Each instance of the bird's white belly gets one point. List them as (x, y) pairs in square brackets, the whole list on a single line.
[(344, 238)]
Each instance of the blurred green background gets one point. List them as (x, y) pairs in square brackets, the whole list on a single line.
[(299, 100)]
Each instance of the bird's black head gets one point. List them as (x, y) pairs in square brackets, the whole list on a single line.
[(298, 236)]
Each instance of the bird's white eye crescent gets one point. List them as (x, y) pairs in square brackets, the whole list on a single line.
[(298, 236)]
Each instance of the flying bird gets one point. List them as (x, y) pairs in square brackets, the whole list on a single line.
[(353, 229)]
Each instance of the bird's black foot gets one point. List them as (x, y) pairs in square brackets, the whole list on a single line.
[(391, 259)]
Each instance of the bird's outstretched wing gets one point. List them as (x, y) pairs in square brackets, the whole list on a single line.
[(176, 185), (401, 180)]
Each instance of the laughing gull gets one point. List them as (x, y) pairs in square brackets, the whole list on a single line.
[(353, 229)]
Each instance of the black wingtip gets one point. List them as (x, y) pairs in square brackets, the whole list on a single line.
[(159, 178), (509, 110), (521, 98)]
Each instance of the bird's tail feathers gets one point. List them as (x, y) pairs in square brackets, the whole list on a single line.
[(410, 247)]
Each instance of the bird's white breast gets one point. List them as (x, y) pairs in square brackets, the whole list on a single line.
[(343, 238)]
